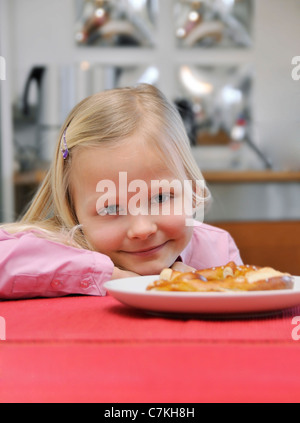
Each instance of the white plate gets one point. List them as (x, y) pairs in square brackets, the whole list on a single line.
[(132, 292)]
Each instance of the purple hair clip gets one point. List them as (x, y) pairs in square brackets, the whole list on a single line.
[(65, 150)]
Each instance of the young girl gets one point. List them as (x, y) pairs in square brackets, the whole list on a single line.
[(99, 213)]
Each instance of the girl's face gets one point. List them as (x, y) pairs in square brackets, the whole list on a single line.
[(127, 207)]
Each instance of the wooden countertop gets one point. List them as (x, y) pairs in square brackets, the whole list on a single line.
[(32, 177), (226, 176), (240, 176)]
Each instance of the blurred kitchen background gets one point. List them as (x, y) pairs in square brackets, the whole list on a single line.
[(226, 65)]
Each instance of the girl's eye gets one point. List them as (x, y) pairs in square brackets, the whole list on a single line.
[(109, 210), (161, 198)]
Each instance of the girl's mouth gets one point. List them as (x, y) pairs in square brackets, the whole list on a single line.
[(148, 251)]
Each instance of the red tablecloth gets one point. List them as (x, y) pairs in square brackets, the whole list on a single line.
[(86, 349)]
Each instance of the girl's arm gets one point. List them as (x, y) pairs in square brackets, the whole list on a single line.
[(32, 266)]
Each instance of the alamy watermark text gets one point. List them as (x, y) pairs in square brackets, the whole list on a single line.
[(296, 329), (2, 329), (165, 198), (2, 69), (296, 68)]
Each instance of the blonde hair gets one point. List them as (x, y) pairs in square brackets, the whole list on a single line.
[(107, 118)]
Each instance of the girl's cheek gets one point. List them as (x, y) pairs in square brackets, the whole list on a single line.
[(176, 228), (99, 234), (107, 237), (174, 221)]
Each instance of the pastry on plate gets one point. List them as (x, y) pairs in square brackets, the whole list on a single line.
[(230, 277)]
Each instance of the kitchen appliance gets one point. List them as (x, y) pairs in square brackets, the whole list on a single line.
[(59, 88)]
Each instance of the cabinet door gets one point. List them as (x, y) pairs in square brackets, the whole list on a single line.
[(6, 136)]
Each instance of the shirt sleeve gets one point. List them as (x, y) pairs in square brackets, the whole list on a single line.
[(233, 251), (32, 266), (209, 247)]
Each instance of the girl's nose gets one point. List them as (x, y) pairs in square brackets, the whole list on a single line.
[(141, 227)]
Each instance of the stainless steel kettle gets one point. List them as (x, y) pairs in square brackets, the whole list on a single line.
[(60, 87)]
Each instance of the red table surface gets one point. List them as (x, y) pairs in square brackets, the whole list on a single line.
[(94, 349)]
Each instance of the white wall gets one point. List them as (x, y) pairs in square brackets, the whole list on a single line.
[(277, 95), (41, 33), (6, 133)]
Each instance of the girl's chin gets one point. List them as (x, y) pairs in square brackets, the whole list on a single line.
[(147, 273), (149, 270), (144, 267)]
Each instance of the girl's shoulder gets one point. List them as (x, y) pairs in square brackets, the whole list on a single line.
[(5, 234), (203, 229), (210, 246)]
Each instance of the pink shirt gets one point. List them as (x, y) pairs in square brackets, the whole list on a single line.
[(210, 246), (31, 266)]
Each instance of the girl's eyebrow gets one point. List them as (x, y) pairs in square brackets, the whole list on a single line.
[(91, 201), (115, 195), (161, 168)]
